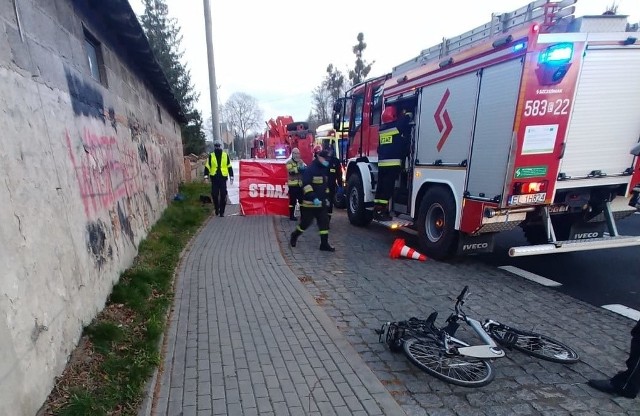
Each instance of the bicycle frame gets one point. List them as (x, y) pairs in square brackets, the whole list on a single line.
[(488, 350)]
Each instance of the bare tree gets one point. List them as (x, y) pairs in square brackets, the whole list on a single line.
[(326, 94), (243, 114), (320, 105)]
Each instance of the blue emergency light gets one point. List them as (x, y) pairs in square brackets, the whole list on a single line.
[(519, 46), (554, 63), (560, 53)]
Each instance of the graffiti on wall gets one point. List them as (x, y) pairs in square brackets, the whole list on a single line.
[(97, 242), (105, 173), (116, 176), (85, 98)]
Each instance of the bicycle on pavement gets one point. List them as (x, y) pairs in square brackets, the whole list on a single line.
[(437, 351)]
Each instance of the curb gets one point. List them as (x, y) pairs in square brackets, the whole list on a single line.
[(150, 391)]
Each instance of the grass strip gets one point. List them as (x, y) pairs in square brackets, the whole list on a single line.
[(118, 351)]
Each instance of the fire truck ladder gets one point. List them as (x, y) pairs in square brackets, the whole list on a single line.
[(552, 16)]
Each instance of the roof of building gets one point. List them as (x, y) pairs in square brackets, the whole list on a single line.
[(127, 29)]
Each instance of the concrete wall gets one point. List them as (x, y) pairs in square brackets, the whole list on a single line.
[(85, 171)]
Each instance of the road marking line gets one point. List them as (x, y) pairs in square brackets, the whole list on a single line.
[(530, 276), (624, 311)]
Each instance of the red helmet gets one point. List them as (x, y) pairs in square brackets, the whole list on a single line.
[(389, 114), (317, 149)]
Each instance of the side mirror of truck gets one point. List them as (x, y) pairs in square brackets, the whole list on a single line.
[(337, 113), (636, 150)]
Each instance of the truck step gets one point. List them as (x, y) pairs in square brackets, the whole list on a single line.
[(395, 223), (575, 245)]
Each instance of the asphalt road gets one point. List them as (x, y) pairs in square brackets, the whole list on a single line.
[(599, 277)]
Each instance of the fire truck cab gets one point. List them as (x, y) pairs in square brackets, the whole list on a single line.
[(531, 121)]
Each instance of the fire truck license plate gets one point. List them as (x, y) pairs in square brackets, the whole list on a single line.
[(527, 199)]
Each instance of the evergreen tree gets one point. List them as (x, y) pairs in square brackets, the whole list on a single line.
[(193, 137), (164, 37), (362, 68)]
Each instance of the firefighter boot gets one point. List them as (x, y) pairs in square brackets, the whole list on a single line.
[(294, 237), (381, 213), (324, 243), (292, 215)]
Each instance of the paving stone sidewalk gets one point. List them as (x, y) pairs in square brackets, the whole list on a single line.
[(360, 287), (245, 337)]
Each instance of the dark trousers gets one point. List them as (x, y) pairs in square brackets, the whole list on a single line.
[(295, 195), (219, 193), (307, 215), (629, 380), (331, 197), (387, 176)]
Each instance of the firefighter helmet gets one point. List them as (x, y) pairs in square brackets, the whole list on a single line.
[(389, 114)]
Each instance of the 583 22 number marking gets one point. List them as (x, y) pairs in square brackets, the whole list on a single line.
[(540, 108)]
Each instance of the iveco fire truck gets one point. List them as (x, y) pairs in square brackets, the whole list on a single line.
[(531, 121)]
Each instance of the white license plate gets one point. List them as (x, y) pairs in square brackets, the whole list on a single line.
[(527, 199)]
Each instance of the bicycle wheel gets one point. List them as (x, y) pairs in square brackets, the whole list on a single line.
[(429, 355), (537, 345)]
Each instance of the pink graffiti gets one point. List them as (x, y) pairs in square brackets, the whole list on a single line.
[(105, 173)]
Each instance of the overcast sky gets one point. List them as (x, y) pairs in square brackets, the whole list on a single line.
[(278, 50)]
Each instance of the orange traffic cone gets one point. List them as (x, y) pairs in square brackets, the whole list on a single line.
[(400, 249)]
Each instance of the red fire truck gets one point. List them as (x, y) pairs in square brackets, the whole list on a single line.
[(531, 121), (282, 135)]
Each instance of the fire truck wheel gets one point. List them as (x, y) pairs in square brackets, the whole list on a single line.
[(356, 211), (436, 223)]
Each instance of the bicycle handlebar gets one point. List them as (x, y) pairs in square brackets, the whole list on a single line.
[(460, 299), (463, 294)]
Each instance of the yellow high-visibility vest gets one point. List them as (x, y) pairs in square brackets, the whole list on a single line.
[(212, 164)]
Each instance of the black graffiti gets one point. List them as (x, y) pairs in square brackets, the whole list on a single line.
[(142, 153), (97, 243), (85, 98), (125, 224), (112, 118)]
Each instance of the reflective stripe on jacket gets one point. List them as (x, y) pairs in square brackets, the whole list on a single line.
[(293, 171), (314, 184), (212, 164), (335, 173), (394, 141)]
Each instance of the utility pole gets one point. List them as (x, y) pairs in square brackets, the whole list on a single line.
[(213, 87)]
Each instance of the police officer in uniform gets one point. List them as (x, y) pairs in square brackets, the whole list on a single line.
[(295, 167), (315, 192), (392, 150), (218, 169)]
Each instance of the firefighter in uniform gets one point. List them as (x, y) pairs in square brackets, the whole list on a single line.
[(314, 205), (392, 150), (295, 167), (334, 177), (218, 169)]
